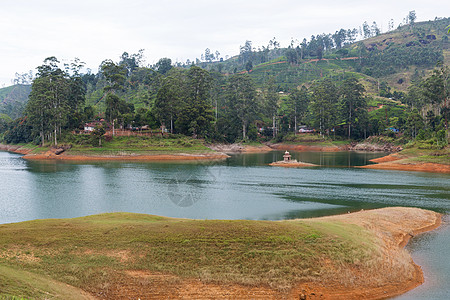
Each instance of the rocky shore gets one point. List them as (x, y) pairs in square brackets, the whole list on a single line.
[(387, 147)]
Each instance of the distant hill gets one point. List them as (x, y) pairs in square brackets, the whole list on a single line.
[(396, 58), (13, 99)]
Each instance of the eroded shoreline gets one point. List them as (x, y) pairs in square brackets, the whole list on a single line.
[(401, 163), (394, 161), (395, 226), (51, 155)]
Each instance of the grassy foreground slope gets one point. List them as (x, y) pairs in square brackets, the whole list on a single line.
[(120, 255)]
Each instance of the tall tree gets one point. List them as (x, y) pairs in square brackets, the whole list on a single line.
[(366, 30), (241, 95), (437, 90), (411, 18), (131, 62), (291, 56), (414, 123), (53, 97), (164, 65), (168, 99), (297, 105), (115, 75), (324, 102), (271, 99), (352, 100), (246, 52), (197, 115)]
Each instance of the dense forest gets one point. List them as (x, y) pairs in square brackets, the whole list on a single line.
[(334, 84)]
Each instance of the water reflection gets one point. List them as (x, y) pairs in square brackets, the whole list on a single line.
[(325, 159)]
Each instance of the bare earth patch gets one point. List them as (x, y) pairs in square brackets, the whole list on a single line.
[(393, 162), (397, 273)]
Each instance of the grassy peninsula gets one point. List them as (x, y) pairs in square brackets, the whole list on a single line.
[(119, 255), (417, 156)]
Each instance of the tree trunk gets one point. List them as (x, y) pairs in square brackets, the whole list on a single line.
[(113, 129), (243, 131), (295, 124), (273, 126), (350, 122), (349, 127), (217, 110)]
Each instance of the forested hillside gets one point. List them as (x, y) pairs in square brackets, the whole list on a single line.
[(390, 83), (13, 99)]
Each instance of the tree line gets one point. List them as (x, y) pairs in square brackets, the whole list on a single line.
[(210, 105)]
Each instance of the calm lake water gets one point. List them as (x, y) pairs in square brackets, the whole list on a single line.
[(242, 187)]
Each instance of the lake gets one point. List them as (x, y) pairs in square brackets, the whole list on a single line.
[(241, 187)]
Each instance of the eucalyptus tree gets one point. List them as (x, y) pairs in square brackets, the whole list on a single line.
[(241, 99), (271, 99), (352, 101), (339, 38), (414, 123), (116, 108), (197, 115), (297, 103), (131, 62), (55, 95), (164, 65), (217, 92), (291, 55), (411, 17), (324, 104), (436, 90), (245, 52), (116, 76), (77, 94), (168, 100)]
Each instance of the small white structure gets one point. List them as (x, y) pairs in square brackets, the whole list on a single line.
[(287, 156), (89, 127)]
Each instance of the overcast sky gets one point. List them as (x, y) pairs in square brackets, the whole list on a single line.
[(95, 30)]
